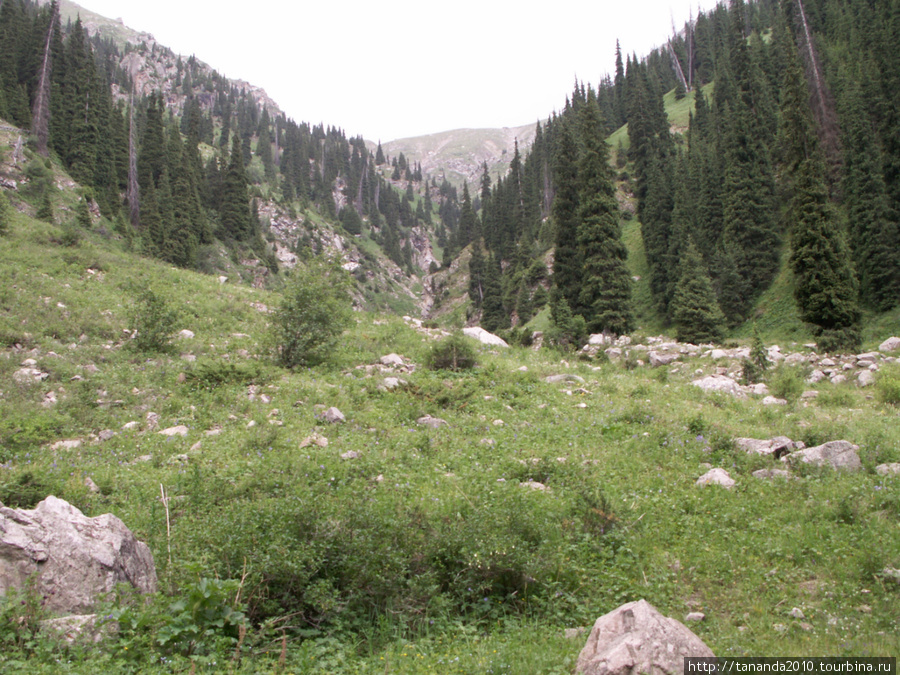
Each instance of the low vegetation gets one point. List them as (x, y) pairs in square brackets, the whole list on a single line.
[(398, 547)]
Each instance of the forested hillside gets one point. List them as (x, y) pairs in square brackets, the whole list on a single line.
[(203, 172), (790, 146)]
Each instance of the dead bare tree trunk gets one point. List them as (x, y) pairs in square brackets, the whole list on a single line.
[(40, 115), (822, 102), (676, 66)]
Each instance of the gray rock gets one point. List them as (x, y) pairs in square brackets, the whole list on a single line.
[(695, 616), (485, 338), (810, 394), (888, 469), (778, 446), (180, 430), (716, 477), (720, 383), (661, 359), (391, 360), (797, 613), (836, 454), (866, 378), (73, 558), (186, 334), (567, 378), (636, 638), (771, 400), (29, 375), (333, 415), (815, 377), (391, 383), (771, 473), (432, 422), (350, 454), (314, 439), (892, 344)]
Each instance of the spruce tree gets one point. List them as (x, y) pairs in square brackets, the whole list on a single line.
[(826, 288), (235, 210), (567, 260), (605, 295), (694, 308)]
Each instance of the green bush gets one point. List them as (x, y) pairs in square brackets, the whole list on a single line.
[(314, 311), (154, 320), (787, 383), (454, 353), (5, 213), (887, 385)]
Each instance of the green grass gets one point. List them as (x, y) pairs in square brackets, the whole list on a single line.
[(424, 553)]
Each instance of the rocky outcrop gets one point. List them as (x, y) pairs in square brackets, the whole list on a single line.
[(485, 338), (636, 638), (74, 558), (835, 454)]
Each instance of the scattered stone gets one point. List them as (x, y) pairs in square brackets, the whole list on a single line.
[(72, 558), (720, 383), (392, 360), (179, 430), (636, 638), (778, 446), (836, 454), (215, 431), (891, 574), (486, 441), (130, 426), (179, 459), (779, 627), (186, 334), (498, 423), (888, 469), (351, 454), (190, 358), (695, 616), (837, 379), (565, 377), (29, 375), (485, 338), (333, 415), (534, 485), (314, 439), (759, 389), (152, 420), (810, 394), (196, 446), (574, 633), (816, 376), (390, 383), (91, 485), (251, 424), (222, 279), (657, 359), (49, 400), (772, 473), (432, 422), (66, 445), (797, 613), (865, 378), (106, 435), (716, 477), (771, 400), (892, 344)]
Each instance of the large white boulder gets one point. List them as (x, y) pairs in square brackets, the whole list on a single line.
[(74, 558), (485, 338), (636, 639)]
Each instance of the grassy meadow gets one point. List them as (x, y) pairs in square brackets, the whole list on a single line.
[(284, 543)]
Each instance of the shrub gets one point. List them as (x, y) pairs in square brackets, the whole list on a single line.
[(154, 320), (5, 213), (755, 367), (787, 383), (887, 386), (453, 353), (314, 311)]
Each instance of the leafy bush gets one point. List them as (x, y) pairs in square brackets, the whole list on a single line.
[(755, 367), (454, 353), (5, 213), (154, 320), (209, 374), (887, 386), (787, 383), (314, 311), (23, 491)]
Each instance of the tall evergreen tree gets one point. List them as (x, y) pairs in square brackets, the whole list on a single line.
[(694, 308), (605, 295), (567, 259), (235, 210)]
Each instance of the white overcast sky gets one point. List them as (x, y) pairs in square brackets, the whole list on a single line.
[(397, 68)]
